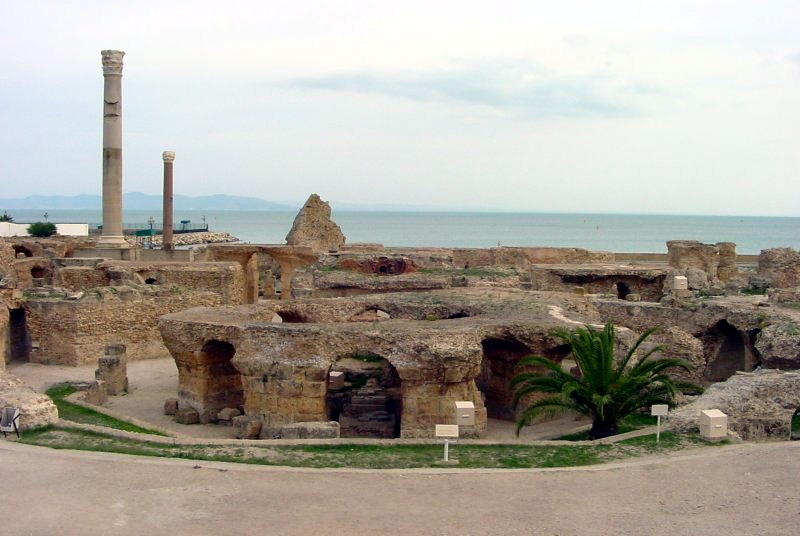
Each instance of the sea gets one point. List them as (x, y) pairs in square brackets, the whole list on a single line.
[(622, 233)]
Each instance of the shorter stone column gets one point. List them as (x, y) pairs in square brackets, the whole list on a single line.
[(112, 370)]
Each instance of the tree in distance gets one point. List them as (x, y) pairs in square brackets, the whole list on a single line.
[(6, 218), (42, 229), (606, 390)]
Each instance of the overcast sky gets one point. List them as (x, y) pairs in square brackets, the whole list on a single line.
[(669, 107)]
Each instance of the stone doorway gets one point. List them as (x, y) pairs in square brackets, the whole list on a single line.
[(623, 290), (365, 397), (794, 433), (726, 352), (19, 341), (500, 357), (223, 383), (499, 366)]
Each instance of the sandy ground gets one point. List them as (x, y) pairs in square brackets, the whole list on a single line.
[(750, 488), (153, 381)]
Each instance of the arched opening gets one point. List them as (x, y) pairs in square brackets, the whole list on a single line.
[(364, 396), (40, 276), (498, 366), (795, 427), (725, 352), (222, 382), (19, 338), (459, 314), (151, 281), (22, 250), (623, 290), (292, 317)]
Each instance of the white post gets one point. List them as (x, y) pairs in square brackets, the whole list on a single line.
[(658, 428), (447, 450)]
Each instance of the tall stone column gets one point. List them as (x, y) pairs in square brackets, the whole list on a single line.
[(166, 239), (112, 150)]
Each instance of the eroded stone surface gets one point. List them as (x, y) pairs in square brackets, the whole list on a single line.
[(36, 409), (758, 404), (314, 228), (780, 266)]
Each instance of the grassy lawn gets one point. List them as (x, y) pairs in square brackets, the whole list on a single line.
[(75, 413), (369, 456)]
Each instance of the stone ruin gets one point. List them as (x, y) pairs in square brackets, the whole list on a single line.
[(314, 228), (260, 344)]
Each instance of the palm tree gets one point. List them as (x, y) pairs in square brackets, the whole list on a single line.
[(606, 390)]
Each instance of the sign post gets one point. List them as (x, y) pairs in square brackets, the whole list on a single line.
[(447, 431), (659, 410)]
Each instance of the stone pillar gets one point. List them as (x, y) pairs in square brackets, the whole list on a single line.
[(112, 370), (112, 150), (166, 239)]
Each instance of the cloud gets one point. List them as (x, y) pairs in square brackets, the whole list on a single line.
[(523, 88)]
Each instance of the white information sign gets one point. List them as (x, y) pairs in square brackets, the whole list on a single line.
[(447, 430), (659, 410)]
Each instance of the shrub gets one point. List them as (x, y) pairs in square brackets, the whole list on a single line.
[(6, 217), (42, 229)]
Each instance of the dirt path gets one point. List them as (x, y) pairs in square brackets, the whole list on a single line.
[(747, 489)]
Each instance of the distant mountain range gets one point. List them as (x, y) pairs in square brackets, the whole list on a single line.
[(140, 201)]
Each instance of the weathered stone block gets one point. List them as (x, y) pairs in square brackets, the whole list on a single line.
[(246, 427), (314, 389), (96, 393), (225, 415), (171, 406), (187, 416), (310, 430)]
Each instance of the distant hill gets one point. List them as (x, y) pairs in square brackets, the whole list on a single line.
[(140, 201)]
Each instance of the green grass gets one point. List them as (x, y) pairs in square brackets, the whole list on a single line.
[(75, 413), (630, 423), (368, 456)]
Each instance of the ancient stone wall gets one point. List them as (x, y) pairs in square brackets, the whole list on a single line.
[(718, 261), (624, 283), (75, 332), (781, 266), (224, 278), (461, 258)]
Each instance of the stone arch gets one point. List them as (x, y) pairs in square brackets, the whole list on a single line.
[(622, 290), (726, 352), (151, 281), (23, 250), (364, 395), (220, 383), (292, 317), (499, 365)]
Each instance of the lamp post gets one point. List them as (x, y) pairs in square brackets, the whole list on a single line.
[(151, 221)]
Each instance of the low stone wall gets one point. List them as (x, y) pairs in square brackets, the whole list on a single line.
[(460, 258), (76, 331), (645, 284)]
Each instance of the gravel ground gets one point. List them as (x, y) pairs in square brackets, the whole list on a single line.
[(747, 489)]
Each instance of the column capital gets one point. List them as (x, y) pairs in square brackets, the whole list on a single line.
[(168, 156), (112, 61)]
